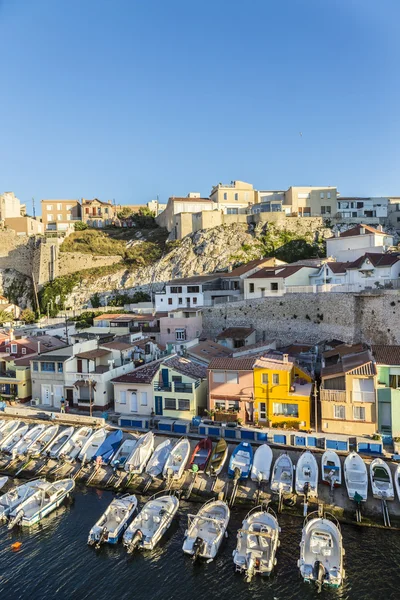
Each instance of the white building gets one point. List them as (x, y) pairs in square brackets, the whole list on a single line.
[(357, 241), (134, 392), (10, 206), (192, 292), (277, 281), (362, 207)]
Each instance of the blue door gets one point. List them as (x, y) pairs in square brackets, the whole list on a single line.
[(158, 403), (164, 375)]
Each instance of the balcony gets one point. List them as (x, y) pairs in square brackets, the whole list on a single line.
[(333, 395), (176, 387), (8, 374)]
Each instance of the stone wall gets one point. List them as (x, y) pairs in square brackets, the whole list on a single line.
[(310, 318), (16, 252), (71, 262)]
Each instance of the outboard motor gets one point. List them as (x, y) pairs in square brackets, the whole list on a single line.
[(306, 489), (197, 548), (250, 569), (136, 540), (319, 574), (102, 537)]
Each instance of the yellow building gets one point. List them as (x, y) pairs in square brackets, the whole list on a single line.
[(235, 194), (15, 380), (282, 392)]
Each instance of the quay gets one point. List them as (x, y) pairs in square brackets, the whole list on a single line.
[(197, 487)]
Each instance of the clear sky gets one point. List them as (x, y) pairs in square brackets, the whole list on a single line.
[(127, 99)]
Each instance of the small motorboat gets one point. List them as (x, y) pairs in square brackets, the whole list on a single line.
[(321, 551), (24, 443), (73, 447), (206, 530), (123, 452), (151, 523), (137, 461), (397, 481), (113, 522), (41, 442), (3, 481), (109, 447), (176, 461), (331, 468), (91, 446), (241, 461), (282, 475), (55, 447), (261, 469), (13, 438), (306, 480), (46, 498), (257, 543), (218, 458), (356, 477), (200, 455), (156, 464), (16, 495), (8, 427), (381, 480)]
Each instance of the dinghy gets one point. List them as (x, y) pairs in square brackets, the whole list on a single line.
[(397, 481), (8, 428), (381, 480), (218, 458), (136, 462), (151, 523), (91, 446), (75, 443), (306, 481), (109, 447), (176, 461), (42, 502), (356, 477), (24, 443), (123, 452), (282, 475), (55, 447), (113, 522), (157, 462), (257, 543), (331, 468), (200, 455), (321, 551), (261, 469), (241, 460), (206, 530), (41, 442), (10, 500), (9, 442)]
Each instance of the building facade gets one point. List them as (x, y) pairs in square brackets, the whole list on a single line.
[(357, 241), (387, 359), (97, 213), (231, 389), (59, 215), (10, 206)]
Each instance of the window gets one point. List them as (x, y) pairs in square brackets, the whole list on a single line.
[(23, 350), (321, 195), (289, 410), (48, 367), (194, 300), (225, 196), (232, 211), (8, 349), (176, 290), (218, 377), (14, 348), (143, 399), (265, 378), (220, 405), (236, 196), (394, 381), (168, 330), (339, 412), (275, 378), (193, 289), (59, 217), (68, 207), (176, 378), (232, 377), (49, 207), (180, 334), (60, 367), (87, 210), (106, 211), (238, 343), (263, 411), (49, 217), (251, 288), (170, 404), (359, 413), (325, 210), (169, 300), (274, 287), (184, 404), (122, 397), (328, 195), (179, 300), (59, 207), (68, 217), (36, 366)]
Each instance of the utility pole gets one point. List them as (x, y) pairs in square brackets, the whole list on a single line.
[(315, 407), (33, 208), (90, 396), (66, 328)]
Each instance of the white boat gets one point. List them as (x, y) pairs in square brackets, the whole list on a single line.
[(91, 446), (75, 443), (113, 522), (8, 428), (206, 530), (306, 481), (160, 456), (321, 551), (47, 497), (16, 495), (144, 447), (381, 480), (331, 468), (9, 442), (3, 481), (24, 443), (257, 543), (124, 452), (356, 477), (262, 462), (151, 523), (282, 475), (55, 448), (41, 442), (176, 461), (397, 481)]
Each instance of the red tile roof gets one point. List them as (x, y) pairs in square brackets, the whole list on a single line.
[(259, 262), (277, 272), (377, 260), (344, 349), (206, 350), (386, 355), (357, 231), (237, 333), (143, 374), (186, 367), (233, 364)]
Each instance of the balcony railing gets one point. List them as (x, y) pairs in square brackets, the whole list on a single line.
[(177, 387), (333, 395), (8, 374)]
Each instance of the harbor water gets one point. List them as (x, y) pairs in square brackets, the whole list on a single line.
[(55, 562)]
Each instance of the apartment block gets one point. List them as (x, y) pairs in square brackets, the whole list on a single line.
[(59, 215)]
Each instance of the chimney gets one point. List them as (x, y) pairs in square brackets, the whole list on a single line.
[(38, 348), (337, 234), (380, 228), (11, 334), (285, 358), (362, 230)]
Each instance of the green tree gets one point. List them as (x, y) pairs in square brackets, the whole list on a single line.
[(5, 317), (80, 226), (95, 300), (28, 316)]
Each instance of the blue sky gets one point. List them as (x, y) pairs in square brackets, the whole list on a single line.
[(128, 99)]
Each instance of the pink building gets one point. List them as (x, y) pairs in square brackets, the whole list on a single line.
[(231, 388), (180, 328)]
